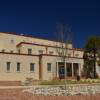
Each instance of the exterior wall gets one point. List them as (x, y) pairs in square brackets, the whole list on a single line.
[(35, 49), (5, 41), (51, 49), (24, 73), (48, 75), (9, 42), (78, 53), (53, 59), (8, 46)]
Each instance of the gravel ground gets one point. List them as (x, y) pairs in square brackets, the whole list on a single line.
[(17, 94)]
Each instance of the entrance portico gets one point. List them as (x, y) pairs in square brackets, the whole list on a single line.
[(71, 65)]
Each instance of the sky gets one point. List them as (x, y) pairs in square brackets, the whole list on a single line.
[(40, 17)]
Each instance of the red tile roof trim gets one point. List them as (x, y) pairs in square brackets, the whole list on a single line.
[(20, 54), (46, 45), (61, 56)]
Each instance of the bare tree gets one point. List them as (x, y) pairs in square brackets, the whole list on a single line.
[(64, 38)]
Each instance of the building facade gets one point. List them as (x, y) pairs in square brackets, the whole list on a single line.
[(24, 57)]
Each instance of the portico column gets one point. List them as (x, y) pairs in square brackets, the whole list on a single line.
[(72, 70), (57, 70), (65, 70), (79, 69)]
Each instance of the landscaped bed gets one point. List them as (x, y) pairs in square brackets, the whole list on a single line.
[(17, 94)]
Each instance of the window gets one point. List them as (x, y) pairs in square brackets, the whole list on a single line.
[(12, 41), (24, 41), (32, 67), (76, 55), (40, 51), (69, 55), (3, 50), (60, 53), (49, 67), (51, 52), (18, 51), (11, 51), (18, 67), (8, 66), (29, 51)]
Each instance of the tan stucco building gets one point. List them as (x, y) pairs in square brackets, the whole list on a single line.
[(24, 57)]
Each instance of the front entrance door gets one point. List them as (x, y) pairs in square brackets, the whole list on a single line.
[(61, 72), (69, 69), (76, 69)]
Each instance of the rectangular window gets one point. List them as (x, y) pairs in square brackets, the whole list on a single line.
[(12, 51), (40, 51), (29, 51), (32, 67), (3, 50), (12, 41), (49, 67), (69, 55), (76, 55), (8, 66), (18, 67), (18, 51), (51, 52)]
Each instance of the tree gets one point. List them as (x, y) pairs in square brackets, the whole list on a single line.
[(63, 40), (91, 55)]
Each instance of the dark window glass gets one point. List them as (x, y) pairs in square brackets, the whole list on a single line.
[(49, 67), (8, 66), (51, 52), (32, 67), (18, 67), (29, 51), (40, 51)]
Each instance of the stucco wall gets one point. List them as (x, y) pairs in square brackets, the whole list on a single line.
[(24, 73), (53, 59), (5, 41), (48, 75), (35, 48)]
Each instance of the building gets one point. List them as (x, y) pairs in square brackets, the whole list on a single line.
[(24, 57)]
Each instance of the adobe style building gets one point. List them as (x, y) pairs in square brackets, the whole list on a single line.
[(24, 57)]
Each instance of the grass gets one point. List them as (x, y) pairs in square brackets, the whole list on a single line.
[(62, 82)]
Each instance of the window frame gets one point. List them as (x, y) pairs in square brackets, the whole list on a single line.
[(76, 55), (29, 51), (51, 52), (49, 69), (8, 67), (18, 65), (32, 65), (40, 51)]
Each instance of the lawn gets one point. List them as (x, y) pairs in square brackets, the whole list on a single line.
[(62, 82)]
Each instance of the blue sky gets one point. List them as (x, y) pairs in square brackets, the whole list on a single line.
[(40, 17)]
